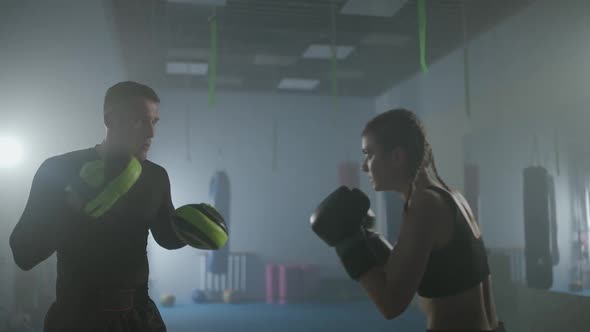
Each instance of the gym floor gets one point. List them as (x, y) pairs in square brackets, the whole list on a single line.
[(342, 317), (338, 317)]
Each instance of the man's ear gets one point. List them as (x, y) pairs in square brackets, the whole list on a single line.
[(108, 119)]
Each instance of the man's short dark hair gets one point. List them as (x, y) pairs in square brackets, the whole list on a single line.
[(124, 92)]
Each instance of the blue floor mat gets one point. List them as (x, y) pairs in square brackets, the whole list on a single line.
[(341, 317)]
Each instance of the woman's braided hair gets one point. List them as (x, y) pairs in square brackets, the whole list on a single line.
[(402, 128)]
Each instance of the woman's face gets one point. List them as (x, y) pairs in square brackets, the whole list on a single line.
[(385, 168)]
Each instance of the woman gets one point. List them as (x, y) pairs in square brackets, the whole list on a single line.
[(439, 253)]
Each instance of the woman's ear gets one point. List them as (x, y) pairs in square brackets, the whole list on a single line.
[(398, 156)]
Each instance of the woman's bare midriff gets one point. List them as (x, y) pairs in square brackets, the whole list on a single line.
[(472, 309)]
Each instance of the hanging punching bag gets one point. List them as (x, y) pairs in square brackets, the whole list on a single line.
[(219, 196), (537, 227)]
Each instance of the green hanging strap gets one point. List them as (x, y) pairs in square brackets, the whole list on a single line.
[(334, 59), (466, 77), (422, 24), (213, 59)]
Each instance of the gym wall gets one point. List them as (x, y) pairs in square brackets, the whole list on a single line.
[(526, 79), (54, 74), (272, 196), (512, 100)]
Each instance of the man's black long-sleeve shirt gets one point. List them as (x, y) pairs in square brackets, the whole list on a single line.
[(108, 252)]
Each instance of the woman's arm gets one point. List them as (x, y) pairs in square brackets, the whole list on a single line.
[(392, 287)]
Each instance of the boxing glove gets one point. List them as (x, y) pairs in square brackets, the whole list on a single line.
[(340, 215), (340, 220)]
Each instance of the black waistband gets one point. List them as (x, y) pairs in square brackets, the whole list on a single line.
[(103, 299), (499, 328)]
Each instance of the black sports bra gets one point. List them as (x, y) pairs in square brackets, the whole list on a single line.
[(459, 265)]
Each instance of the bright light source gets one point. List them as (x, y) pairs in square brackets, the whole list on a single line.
[(187, 68), (11, 152), (298, 84), (325, 52)]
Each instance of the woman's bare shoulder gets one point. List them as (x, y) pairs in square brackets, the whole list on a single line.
[(431, 201)]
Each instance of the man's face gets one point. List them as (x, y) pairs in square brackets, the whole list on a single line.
[(133, 126)]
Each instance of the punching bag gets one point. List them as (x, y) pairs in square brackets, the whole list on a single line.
[(538, 220), (219, 197)]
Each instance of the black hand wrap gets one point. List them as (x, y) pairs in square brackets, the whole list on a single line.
[(343, 220), (363, 252)]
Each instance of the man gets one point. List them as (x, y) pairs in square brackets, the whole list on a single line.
[(94, 207)]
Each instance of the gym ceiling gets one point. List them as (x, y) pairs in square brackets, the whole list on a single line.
[(261, 43)]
